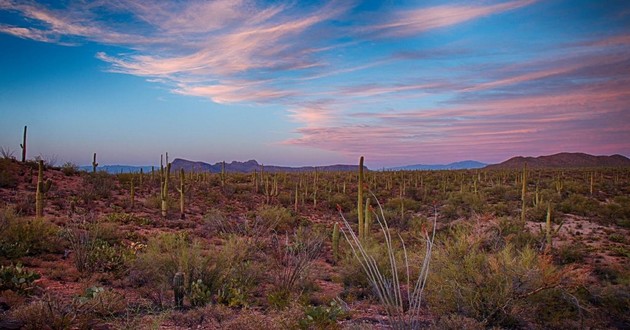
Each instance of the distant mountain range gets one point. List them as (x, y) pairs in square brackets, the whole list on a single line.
[(116, 169), (251, 166), (564, 159), (464, 165)]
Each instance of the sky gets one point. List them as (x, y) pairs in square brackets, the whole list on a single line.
[(314, 82)]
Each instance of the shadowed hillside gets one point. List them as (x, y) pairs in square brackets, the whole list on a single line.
[(564, 159)]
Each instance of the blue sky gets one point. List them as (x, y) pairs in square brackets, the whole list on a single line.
[(314, 83)]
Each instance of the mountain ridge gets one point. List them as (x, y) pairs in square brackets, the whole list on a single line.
[(252, 165), (563, 159), (462, 165)]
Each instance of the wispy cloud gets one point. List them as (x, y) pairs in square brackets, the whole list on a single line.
[(410, 22)]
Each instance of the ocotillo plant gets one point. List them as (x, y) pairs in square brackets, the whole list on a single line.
[(42, 188), (94, 164), (23, 146), (181, 193), (360, 201)]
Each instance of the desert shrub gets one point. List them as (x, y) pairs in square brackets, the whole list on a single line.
[(69, 169), (83, 312), (342, 200), (293, 255), (513, 231), (493, 286), (27, 236), (153, 202), (501, 209), (17, 278), (457, 322), (128, 218), (322, 316), (617, 238), (240, 273), (617, 212), (556, 309), (571, 253), (155, 266), (277, 217), (97, 185), (97, 248), (578, 205), (8, 170)]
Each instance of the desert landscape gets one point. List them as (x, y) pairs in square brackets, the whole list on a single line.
[(333, 164), (515, 246)]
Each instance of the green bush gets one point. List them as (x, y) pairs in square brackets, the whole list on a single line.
[(69, 169), (276, 217), (17, 279), (322, 317), (27, 236), (8, 168), (155, 266), (491, 286)]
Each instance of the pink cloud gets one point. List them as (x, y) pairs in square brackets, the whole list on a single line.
[(421, 20)]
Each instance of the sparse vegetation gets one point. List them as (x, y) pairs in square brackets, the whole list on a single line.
[(251, 255)]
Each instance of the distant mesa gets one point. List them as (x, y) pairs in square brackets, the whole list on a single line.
[(464, 165), (251, 166), (565, 160)]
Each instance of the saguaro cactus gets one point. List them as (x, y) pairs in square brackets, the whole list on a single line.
[(335, 242), (222, 173), (42, 188), (523, 193), (179, 289), (368, 219), (181, 193), (23, 146), (164, 176), (94, 164), (360, 201), (550, 232), (132, 194)]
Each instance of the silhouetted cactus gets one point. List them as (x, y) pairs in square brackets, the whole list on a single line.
[(23, 146), (94, 164)]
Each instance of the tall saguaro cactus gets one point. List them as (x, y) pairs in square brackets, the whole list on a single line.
[(42, 188), (523, 193), (164, 176), (181, 193), (335, 242), (94, 164), (360, 201), (23, 146)]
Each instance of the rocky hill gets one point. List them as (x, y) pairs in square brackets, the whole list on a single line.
[(565, 160)]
